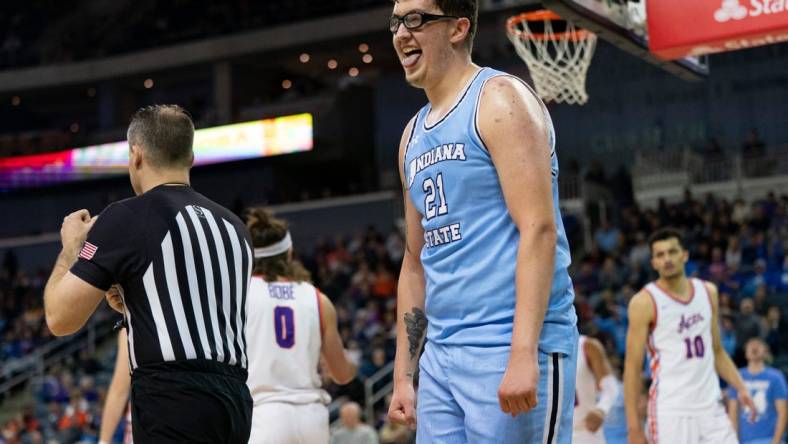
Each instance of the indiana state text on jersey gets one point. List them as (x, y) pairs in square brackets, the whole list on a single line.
[(443, 152)]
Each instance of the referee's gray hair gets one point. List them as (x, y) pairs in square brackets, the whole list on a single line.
[(166, 132)]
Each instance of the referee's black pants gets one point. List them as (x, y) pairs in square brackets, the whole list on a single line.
[(195, 401)]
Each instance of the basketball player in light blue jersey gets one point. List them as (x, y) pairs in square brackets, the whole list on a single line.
[(485, 271)]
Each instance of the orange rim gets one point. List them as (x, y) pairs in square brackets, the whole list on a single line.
[(543, 15)]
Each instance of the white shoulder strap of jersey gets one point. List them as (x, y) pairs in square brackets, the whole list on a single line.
[(701, 290), (655, 292)]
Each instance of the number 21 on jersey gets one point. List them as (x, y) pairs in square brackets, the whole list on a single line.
[(433, 190)]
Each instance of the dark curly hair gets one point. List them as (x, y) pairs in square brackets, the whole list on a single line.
[(267, 230)]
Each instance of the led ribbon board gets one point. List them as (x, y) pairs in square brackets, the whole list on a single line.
[(227, 143)]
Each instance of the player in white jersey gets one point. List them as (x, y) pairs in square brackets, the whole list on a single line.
[(676, 317), (596, 390), (291, 327)]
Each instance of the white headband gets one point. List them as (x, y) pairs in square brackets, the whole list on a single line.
[(274, 249)]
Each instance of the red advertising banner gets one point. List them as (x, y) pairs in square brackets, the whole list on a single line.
[(681, 28)]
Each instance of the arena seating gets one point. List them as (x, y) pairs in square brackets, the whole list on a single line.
[(739, 247)]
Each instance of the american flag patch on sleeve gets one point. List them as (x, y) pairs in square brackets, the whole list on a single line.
[(88, 250)]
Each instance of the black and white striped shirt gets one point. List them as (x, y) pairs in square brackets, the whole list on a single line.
[(183, 263)]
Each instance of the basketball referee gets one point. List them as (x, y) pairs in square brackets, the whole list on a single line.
[(182, 265)]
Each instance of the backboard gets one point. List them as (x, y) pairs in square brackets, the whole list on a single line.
[(623, 23)]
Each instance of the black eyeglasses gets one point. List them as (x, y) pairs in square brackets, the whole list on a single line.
[(414, 20)]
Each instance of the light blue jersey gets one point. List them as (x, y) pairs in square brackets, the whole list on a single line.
[(471, 242)]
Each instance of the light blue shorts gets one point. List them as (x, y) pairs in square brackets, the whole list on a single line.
[(760, 441), (458, 398)]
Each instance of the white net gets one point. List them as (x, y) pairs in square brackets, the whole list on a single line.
[(558, 61)]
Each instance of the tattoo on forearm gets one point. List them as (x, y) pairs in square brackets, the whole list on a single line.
[(415, 325)]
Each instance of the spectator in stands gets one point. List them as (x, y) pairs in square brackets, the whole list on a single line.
[(29, 422), (700, 255), (759, 220), (755, 280), (363, 278), (776, 331), (75, 418), (87, 387), (780, 215), (56, 387), (11, 431), (377, 362), (384, 285), (717, 267), (611, 276), (748, 324), (612, 320), (770, 204), (775, 254), (607, 237), (728, 333), (338, 259), (586, 280), (733, 252), (353, 350), (594, 256), (759, 300), (740, 213), (767, 386), (353, 430), (640, 253), (734, 281), (395, 247), (54, 412)]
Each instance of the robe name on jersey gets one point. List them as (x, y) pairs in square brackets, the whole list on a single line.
[(283, 292), (441, 153)]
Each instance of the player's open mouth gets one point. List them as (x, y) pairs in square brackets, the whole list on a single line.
[(412, 56)]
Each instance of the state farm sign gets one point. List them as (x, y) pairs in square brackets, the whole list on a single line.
[(733, 10), (680, 28)]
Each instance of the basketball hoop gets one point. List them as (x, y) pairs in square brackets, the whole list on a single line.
[(557, 59)]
